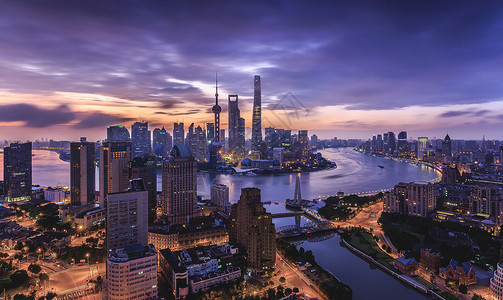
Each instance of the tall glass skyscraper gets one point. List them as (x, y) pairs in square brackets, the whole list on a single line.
[(178, 134), (82, 172), (257, 115), (140, 136), (117, 133)]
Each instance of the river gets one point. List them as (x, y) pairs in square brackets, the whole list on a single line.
[(355, 173)]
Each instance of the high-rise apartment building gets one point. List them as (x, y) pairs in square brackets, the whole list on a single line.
[(236, 144), (117, 133), (127, 217), (178, 134), (140, 136), (487, 201), (145, 168), (414, 198), (380, 143), (257, 115), (131, 262), (254, 230), (114, 168), (179, 185), (391, 143), (220, 195), (82, 172), (17, 172), (304, 143)]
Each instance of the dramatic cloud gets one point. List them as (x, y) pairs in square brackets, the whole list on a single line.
[(99, 120), (34, 116), (163, 55)]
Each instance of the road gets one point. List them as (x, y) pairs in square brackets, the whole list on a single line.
[(295, 278)]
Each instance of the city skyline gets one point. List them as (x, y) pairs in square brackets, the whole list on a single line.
[(346, 70)]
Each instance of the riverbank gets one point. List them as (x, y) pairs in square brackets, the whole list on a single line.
[(385, 266), (324, 281)]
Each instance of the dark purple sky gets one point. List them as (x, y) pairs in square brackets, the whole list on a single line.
[(70, 68)]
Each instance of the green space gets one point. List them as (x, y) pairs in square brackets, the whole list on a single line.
[(338, 209), (407, 231), (367, 243)]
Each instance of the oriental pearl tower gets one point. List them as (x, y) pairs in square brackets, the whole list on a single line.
[(216, 110)]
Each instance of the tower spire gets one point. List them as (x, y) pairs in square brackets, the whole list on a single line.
[(216, 88)]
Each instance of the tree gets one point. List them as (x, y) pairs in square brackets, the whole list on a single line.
[(34, 268), (43, 277), (288, 291), (463, 289), (282, 279), (51, 296), (18, 246), (477, 297), (4, 255), (19, 277), (295, 290)]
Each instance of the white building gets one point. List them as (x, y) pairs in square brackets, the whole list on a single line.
[(496, 284), (132, 273), (54, 195)]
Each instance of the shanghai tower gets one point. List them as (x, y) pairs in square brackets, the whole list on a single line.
[(257, 123)]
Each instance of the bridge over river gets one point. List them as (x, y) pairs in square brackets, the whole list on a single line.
[(317, 224)]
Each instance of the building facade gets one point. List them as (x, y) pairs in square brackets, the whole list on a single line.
[(257, 115), (82, 172), (220, 195), (117, 133), (179, 185), (496, 283), (140, 136), (17, 172), (413, 198), (114, 168)]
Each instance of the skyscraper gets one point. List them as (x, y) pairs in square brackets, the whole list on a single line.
[(17, 172), (254, 230), (257, 117), (179, 185), (236, 125), (403, 145), (131, 262), (304, 144), (447, 147), (117, 133), (82, 172), (140, 136), (127, 217), (144, 168), (178, 134), (216, 109), (161, 141), (422, 144), (210, 132), (114, 168), (220, 195), (391, 143)]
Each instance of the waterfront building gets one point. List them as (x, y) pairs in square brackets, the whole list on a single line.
[(414, 198), (17, 172), (220, 195), (144, 168), (450, 175), (462, 272), (254, 230), (304, 144), (380, 143), (54, 195), (162, 142), (257, 115), (403, 145), (285, 137), (82, 172), (314, 140), (197, 268), (140, 136), (117, 133), (132, 273), (179, 185), (422, 145), (496, 283), (278, 154), (405, 265), (391, 143), (127, 217), (178, 134), (114, 168)]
